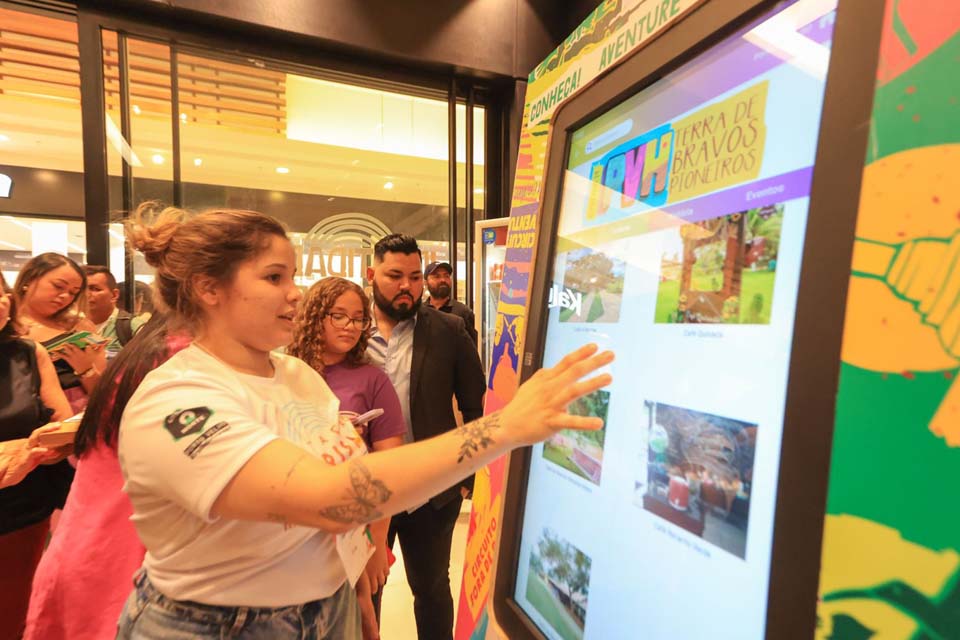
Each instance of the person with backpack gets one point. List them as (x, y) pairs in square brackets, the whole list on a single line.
[(102, 310)]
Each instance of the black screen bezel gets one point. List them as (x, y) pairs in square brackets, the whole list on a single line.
[(821, 297)]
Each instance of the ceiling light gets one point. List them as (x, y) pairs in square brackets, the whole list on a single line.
[(197, 162), (388, 185), (4, 138), (136, 109), (157, 158), (183, 117), (283, 170)]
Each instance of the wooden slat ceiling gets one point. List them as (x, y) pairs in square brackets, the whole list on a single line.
[(39, 58)]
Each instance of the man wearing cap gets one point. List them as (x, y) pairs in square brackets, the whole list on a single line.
[(440, 287), (430, 359)]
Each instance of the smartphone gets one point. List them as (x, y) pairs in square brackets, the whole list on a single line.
[(366, 417)]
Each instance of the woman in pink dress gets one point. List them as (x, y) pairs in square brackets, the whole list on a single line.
[(86, 574)]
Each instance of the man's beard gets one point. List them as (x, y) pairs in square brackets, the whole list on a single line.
[(405, 312), (440, 292)]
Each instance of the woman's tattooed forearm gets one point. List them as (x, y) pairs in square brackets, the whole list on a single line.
[(363, 499), (477, 435)]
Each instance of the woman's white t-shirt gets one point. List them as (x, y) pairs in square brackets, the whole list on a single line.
[(188, 429)]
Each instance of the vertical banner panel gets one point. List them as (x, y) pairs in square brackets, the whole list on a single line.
[(890, 564)]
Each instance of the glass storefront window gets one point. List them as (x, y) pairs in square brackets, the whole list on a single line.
[(41, 149), (339, 163), (25, 237)]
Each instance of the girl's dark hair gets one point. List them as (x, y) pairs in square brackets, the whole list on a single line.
[(149, 349), (308, 339), (41, 265), (182, 246), (12, 329)]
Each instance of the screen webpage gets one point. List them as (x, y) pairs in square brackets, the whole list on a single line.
[(680, 237)]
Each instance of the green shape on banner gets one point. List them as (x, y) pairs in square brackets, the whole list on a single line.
[(920, 107), (938, 618), (848, 628), (887, 466), (903, 34)]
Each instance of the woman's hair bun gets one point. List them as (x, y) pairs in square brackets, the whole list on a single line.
[(151, 229)]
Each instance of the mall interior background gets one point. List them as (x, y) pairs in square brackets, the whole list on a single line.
[(341, 122)]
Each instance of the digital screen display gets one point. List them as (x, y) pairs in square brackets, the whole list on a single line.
[(679, 244)]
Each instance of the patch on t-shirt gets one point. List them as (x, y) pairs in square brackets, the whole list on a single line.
[(195, 447), (187, 422)]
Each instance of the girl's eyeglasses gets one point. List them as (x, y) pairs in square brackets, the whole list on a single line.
[(342, 321)]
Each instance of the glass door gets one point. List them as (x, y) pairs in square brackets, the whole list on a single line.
[(490, 254)]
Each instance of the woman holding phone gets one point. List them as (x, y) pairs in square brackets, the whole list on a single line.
[(331, 336)]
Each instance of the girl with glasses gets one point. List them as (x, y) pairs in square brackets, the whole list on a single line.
[(331, 336)]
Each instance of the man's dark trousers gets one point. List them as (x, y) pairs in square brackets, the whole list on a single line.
[(425, 539)]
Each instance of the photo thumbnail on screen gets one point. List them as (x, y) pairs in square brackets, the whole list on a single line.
[(698, 473), (592, 286), (558, 584), (581, 452), (721, 270)]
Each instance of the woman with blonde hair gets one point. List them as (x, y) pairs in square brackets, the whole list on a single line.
[(50, 294), (253, 526)]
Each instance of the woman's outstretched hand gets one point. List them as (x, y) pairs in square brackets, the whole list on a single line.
[(539, 409)]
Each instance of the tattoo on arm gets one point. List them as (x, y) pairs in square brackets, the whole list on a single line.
[(364, 497), (293, 468), (280, 519), (477, 435)]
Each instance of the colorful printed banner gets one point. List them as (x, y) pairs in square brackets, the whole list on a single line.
[(891, 549)]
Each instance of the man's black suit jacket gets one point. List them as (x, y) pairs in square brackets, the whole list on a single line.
[(445, 363)]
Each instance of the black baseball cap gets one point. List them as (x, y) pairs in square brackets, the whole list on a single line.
[(433, 266)]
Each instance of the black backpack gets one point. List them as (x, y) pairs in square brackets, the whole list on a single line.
[(124, 327)]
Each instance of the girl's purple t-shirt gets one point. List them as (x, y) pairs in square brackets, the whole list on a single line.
[(361, 389)]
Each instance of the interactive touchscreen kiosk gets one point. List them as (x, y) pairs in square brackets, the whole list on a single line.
[(690, 224)]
